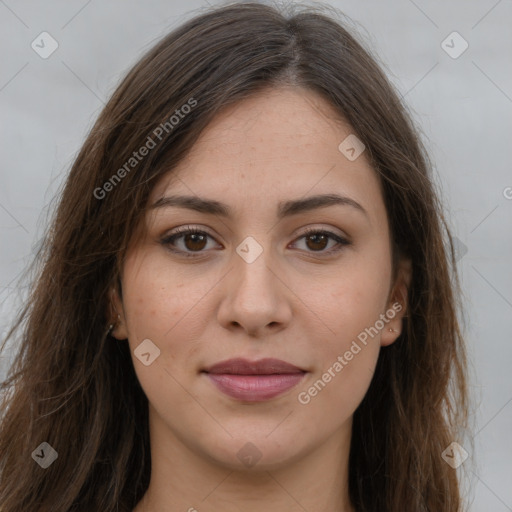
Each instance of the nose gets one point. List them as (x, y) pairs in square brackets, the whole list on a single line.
[(255, 297)]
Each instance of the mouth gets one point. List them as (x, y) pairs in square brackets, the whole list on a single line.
[(255, 381)]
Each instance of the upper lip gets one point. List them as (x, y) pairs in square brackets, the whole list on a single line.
[(265, 366)]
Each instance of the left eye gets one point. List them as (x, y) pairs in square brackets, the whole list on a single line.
[(321, 237), (195, 240)]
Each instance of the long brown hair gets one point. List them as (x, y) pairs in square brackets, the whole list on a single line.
[(74, 386)]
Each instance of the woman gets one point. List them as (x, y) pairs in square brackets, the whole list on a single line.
[(245, 298)]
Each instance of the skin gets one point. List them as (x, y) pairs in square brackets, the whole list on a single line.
[(290, 303)]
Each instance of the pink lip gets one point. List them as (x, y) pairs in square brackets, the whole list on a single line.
[(254, 381)]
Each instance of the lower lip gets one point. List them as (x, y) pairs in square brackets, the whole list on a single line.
[(255, 388)]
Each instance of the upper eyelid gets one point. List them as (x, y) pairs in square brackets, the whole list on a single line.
[(183, 230)]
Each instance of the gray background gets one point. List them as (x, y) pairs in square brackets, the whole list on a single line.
[(463, 106)]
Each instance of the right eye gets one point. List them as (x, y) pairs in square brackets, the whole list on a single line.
[(193, 241)]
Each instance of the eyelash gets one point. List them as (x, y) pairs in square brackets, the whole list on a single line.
[(168, 241)]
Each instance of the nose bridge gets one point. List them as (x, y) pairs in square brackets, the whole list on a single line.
[(253, 268), (254, 298)]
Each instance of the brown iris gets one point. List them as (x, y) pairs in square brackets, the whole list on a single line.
[(316, 237), (198, 241)]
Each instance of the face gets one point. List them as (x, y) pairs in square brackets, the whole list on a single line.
[(272, 276)]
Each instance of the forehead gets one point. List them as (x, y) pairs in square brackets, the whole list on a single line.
[(277, 145)]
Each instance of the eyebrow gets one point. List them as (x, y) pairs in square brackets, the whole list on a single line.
[(285, 208)]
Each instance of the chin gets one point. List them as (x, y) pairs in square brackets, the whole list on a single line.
[(259, 452)]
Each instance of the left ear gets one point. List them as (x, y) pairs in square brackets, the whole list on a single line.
[(397, 304)]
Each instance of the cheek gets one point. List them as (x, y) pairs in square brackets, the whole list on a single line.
[(347, 357), (333, 396), (165, 307), (356, 295), (155, 297), (350, 305), (158, 309)]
